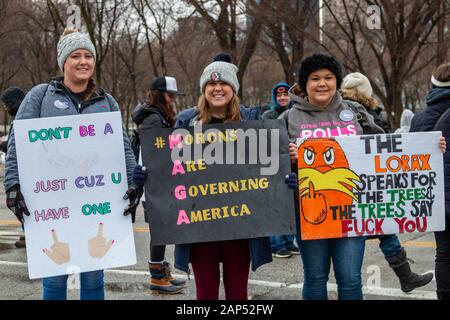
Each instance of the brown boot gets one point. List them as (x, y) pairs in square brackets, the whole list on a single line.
[(159, 282), (168, 270), (21, 242)]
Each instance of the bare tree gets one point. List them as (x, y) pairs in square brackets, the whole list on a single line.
[(100, 18), (155, 17), (128, 51), (288, 25), (395, 48), (443, 37), (222, 16), (189, 51)]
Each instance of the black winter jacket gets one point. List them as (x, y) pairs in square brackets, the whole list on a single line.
[(148, 117), (438, 101)]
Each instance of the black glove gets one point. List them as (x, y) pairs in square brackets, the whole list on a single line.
[(139, 175), (134, 194), (291, 180), (16, 203)]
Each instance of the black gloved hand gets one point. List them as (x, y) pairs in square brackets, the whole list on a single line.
[(134, 194), (16, 203), (291, 180)]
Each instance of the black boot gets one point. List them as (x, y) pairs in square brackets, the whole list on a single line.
[(408, 279), (443, 294)]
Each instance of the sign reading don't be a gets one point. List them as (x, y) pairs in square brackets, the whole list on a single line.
[(72, 175)]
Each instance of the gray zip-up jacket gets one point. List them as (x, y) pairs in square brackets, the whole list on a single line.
[(55, 100), (339, 118)]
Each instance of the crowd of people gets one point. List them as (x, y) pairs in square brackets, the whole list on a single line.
[(320, 95)]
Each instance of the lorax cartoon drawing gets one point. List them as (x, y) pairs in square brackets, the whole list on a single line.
[(325, 180)]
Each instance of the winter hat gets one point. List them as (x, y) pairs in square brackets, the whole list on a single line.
[(166, 84), (406, 118), (279, 88), (222, 69), (70, 41), (317, 62), (12, 98), (357, 81)]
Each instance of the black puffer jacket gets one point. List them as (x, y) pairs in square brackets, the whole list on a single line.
[(438, 102), (148, 117)]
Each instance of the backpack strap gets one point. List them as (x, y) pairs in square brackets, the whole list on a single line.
[(286, 117)]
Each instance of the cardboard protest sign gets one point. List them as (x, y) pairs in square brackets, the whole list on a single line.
[(73, 177), (228, 182), (370, 185)]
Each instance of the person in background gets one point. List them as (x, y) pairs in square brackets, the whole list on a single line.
[(405, 121), (356, 87), (282, 246), (159, 112), (436, 117), (361, 82), (11, 99)]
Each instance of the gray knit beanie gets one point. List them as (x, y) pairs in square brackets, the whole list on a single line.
[(220, 71), (71, 42)]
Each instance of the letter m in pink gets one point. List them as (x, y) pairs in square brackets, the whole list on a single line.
[(174, 141)]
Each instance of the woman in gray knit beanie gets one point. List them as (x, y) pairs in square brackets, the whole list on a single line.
[(73, 94), (76, 57), (219, 87), (219, 104)]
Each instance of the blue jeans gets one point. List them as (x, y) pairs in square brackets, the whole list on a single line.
[(278, 243), (390, 245), (347, 255), (91, 286)]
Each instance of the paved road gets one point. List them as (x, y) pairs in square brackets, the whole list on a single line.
[(279, 280)]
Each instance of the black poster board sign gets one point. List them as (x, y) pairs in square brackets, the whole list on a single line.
[(211, 182)]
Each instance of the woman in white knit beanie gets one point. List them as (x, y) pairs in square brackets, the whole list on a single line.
[(356, 87)]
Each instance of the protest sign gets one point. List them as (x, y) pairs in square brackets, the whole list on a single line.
[(370, 185), (72, 175), (226, 183)]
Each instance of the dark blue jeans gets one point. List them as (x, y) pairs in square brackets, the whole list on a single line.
[(347, 256), (443, 261), (278, 243), (390, 245), (91, 286)]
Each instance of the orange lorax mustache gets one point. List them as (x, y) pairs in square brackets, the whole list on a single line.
[(325, 180), (340, 179)]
